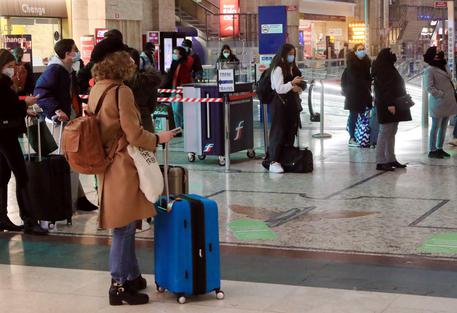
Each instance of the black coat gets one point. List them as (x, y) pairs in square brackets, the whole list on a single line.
[(11, 108), (356, 84), (388, 86)]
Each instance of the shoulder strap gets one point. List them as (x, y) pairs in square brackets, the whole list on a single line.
[(100, 101)]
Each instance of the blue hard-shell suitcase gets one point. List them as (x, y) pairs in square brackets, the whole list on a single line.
[(187, 258)]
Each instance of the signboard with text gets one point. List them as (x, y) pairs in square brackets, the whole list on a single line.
[(226, 80), (100, 34), (440, 4), (23, 41), (229, 24)]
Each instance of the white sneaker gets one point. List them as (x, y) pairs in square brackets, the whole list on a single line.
[(275, 167), (352, 143), (453, 142)]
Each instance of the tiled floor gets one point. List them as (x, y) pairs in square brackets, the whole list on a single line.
[(36, 289)]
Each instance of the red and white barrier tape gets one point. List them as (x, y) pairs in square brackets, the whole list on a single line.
[(195, 100), (169, 91)]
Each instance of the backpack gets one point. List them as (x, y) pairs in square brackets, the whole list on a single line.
[(263, 89), (295, 160), (82, 141)]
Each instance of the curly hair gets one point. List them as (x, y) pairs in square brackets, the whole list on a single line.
[(116, 66)]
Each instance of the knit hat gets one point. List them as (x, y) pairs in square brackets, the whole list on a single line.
[(106, 47), (5, 58)]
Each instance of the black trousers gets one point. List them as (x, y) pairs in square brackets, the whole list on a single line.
[(12, 160), (284, 125)]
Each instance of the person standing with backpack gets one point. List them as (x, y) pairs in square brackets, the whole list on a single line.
[(23, 74), (286, 82)]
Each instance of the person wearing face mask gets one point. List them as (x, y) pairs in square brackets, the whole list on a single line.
[(12, 114), (389, 86), (227, 60), (147, 57), (356, 87), (55, 89), (286, 81), (122, 203), (180, 73), (442, 100), (23, 74), (197, 68)]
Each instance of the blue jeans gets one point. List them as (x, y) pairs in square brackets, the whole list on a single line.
[(438, 133), (123, 263)]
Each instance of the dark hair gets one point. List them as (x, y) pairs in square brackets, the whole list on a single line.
[(358, 45), (149, 46), (430, 55), (63, 46), (182, 52), (114, 33), (187, 43), (135, 56), (231, 58), (280, 59), (5, 58)]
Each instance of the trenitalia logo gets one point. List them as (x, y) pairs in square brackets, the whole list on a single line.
[(27, 9), (209, 148), (239, 131)]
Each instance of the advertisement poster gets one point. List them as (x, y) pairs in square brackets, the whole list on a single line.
[(100, 34), (87, 45), (229, 24), (24, 41)]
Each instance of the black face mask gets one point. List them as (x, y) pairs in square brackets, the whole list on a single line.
[(440, 61)]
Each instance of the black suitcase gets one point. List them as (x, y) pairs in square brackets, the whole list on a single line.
[(295, 160), (48, 191)]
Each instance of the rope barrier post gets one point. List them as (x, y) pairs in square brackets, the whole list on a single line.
[(227, 132), (266, 138), (322, 135)]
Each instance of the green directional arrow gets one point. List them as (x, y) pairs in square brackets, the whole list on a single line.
[(248, 229), (441, 243)]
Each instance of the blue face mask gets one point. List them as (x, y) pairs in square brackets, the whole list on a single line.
[(360, 54), (175, 57), (290, 58)]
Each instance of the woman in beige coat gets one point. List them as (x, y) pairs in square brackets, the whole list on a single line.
[(122, 203)]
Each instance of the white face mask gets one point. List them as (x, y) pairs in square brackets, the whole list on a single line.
[(9, 71)]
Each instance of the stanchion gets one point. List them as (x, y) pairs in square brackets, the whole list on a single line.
[(227, 132), (424, 120), (322, 135), (266, 138)]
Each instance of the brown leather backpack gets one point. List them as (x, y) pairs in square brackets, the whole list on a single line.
[(82, 141)]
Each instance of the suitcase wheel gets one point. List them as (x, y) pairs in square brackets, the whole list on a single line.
[(221, 161), (201, 157), (69, 222), (220, 295), (251, 154), (181, 299), (160, 289), (51, 225), (191, 157)]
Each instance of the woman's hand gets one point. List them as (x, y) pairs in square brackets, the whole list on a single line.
[(62, 116), (297, 89), (391, 109), (297, 80), (31, 112), (31, 100), (165, 136)]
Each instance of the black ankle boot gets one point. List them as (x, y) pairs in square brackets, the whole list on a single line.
[(137, 284), (6, 224), (118, 294), (32, 228), (85, 205)]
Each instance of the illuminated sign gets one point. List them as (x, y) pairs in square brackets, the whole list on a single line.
[(229, 24), (357, 33)]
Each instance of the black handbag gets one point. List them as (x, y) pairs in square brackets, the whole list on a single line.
[(295, 160), (404, 103), (48, 144)]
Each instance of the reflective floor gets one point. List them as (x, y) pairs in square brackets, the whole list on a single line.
[(345, 238)]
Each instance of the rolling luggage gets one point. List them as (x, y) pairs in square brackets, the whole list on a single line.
[(48, 191), (186, 245)]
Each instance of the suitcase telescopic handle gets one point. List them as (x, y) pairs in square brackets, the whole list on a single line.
[(56, 121)]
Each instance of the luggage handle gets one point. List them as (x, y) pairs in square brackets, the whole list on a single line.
[(30, 124), (55, 121)]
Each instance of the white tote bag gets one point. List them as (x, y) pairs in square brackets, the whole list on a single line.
[(151, 178)]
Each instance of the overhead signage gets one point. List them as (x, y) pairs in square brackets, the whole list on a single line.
[(272, 29), (229, 24)]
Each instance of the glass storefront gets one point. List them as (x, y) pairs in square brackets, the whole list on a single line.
[(43, 32)]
